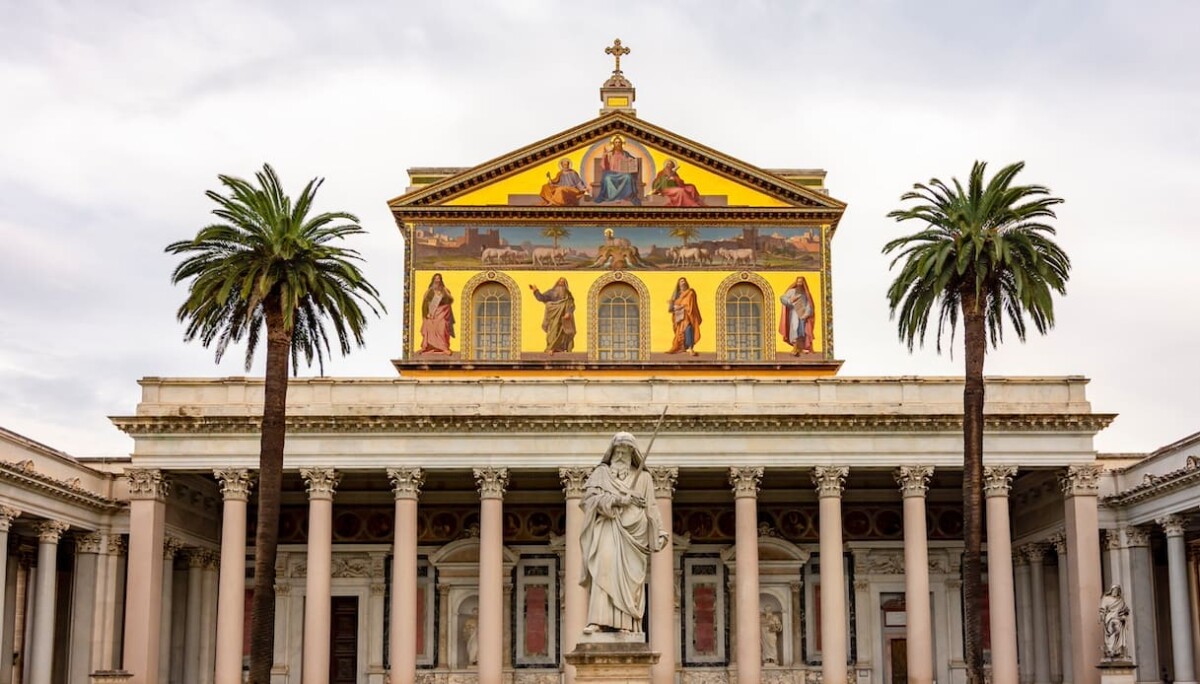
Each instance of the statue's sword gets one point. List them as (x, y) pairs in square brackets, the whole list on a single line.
[(654, 435)]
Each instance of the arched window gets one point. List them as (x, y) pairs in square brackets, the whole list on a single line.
[(491, 306), (618, 321), (744, 323)]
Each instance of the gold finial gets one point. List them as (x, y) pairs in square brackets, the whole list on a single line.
[(616, 50)]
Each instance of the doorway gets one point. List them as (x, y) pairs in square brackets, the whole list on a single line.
[(343, 640)]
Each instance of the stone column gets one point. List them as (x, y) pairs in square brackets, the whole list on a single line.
[(1194, 583), (1059, 539), (7, 515), (1181, 621), (1080, 486), (914, 483), (1036, 553), (745, 483), (41, 651), (997, 480), (492, 483), (171, 546), (105, 655), (406, 488), (575, 596), (194, 626), (1140, 594), (83, 599), (829, 481), (662, 581), (143, 606), (1024, 616), (208, 616), (231, 597), (321, 485)]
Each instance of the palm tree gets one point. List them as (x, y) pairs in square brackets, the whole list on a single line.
[(556, 232), (267, 261), (684, 233), (985, 254)]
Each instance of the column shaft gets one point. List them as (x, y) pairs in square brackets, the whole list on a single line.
[(143, 606), (208, 618), (914, 482), (1001, 602), (231, 595), (829, 481), (575, 596), (662, 581), (1080, 488), (318, 599), (1181, 621), (166, 623), (1024, 616), (193, 626), (406, 487), (492, 482), (1041, 636), (749, 633), (83, 599), (1140, 593), (1064, 607), (7, 515), (41, 651)]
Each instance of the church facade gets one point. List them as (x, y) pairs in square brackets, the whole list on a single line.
[(614, 276)]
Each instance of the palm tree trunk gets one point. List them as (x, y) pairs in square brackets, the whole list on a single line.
[(270, 485), (972, 487)]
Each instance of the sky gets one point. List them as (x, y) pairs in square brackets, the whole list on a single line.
[(118, 116)]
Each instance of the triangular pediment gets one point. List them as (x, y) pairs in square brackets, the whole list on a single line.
[(525, 177)]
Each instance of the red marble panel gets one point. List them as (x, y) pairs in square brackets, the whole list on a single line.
[(704, 616), (535, 620)]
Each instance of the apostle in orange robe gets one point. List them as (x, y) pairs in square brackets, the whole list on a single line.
[(685, 315)]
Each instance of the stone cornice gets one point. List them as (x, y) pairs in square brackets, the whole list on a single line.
[(542, 423), (25, 476), (1156, 485)]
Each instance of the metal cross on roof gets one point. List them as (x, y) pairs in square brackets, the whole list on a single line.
[(616, 50)]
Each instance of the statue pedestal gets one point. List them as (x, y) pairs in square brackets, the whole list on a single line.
[(1117, 672), (612, 658)]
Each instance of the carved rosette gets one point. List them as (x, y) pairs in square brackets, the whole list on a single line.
[(830, 480), (573, 480), (1081, 480), (1036, 553), (321, 482), (492, 482), (745, 481), (147, 483), (914, 480), (1136, 536), (1173, 525), (50, 531), (235, 483), (7, 515), (90, 542), (1059, 540), (406, 482), (664, 480), (997, 480), (171, 546)]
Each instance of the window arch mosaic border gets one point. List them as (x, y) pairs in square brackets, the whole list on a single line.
[(643, 295), (768, 312), (467, 313)]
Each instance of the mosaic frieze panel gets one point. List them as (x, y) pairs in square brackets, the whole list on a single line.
[(435, 524), (799, 523)]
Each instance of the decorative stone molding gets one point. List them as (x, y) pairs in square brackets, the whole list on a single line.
[(7, 515), (377, 588), (1112, 540), (745, 481), (147, 483), (573, 480), (350, 567), (492, 482), (1081, 480), (1036, 553), (235, 483), (914, 480), (997, 480), (283, 589), (885, 563), (1136, 536), (953, 583), (116, 545), (50, 531), (195, 557), (1059, 540), (1173, 525), (705, 677), (171, 546), (406, 482), (535, 677), (89, 542), (25, 476), (321, 482), (664, 480), (830, 480)]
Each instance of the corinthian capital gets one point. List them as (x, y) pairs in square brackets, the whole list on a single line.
[(1137, 536), (1081, 480), (492, 482), (146, 483), (830, 480), (406, 482), (235, 483), (573, 480), (914, 480), (89, 542), (322, 482), (664, 480), (7, 515), (1173, 525), (50, 531), (997, 480), (745, 481)]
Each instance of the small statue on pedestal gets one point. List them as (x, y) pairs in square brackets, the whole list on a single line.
[(1114, 616)]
